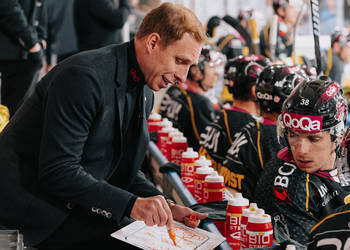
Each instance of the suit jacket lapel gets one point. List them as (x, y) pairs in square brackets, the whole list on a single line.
[(120, 91)]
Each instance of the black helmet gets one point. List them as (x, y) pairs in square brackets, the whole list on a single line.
[(283, 4), (279, 4), (274, 85), (245, 13), (209, 54), (213, 22), (244, 71), (314, 106), (340, 35)]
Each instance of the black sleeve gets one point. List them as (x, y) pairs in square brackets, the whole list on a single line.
[(143, 187), (43, 22), (74, 99), (106, 11), (14, 21)]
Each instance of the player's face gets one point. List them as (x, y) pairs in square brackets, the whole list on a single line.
[(210, 76), (291, 14), (345, 54), (312, 151)]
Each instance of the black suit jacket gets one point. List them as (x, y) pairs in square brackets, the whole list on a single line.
[(99, 23), (65, 144)]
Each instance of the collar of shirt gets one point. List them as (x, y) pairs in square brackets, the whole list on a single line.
[(235, 108), (135, 75), (268, 122)]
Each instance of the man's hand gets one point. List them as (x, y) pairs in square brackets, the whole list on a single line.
[(153, 211), (35, 48), (183, 214)]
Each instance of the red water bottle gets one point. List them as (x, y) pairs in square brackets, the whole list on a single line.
[(178, 146), (187, 168), (259, 231), (208, 162), (163, 137), (154, 122), (234, 211), (169, 142), (199, 178), (214, 188), (165, 123), (244, 220)]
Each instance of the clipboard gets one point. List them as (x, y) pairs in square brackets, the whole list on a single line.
[(145, 237)]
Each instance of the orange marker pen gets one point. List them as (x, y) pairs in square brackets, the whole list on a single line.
[(193, 217), (172, 235)]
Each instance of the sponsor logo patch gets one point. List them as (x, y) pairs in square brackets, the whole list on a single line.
[(281, 196), (302, 123), (330, 92)]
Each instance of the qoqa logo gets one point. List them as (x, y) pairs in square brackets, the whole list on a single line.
[(264, 96), (331, 91), (302, 122)]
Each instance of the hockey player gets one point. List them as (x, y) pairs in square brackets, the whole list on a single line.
[(310, 178), (234, 44), (256, 143), (335, 58), (287, 12), (185, 104), (241, 74)]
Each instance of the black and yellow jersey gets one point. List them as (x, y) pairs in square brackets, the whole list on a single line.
[(189, 111), (332, 65), (332, 232), (251, 149), (297, 200), (284, 44), (218, 136)]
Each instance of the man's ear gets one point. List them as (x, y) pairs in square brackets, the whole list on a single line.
[(153, 41)]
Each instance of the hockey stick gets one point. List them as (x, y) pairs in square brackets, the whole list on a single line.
[(315, 14), (237, 26), (273, 37), (299, 17)]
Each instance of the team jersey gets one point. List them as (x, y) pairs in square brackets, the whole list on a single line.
[(189, 111), (332, 65), (251, 149), (284, 45), (218, 136), (332, 232), (298, 200)]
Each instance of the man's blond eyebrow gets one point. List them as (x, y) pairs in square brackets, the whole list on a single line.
[(186, 59)]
